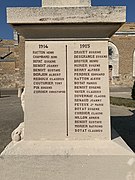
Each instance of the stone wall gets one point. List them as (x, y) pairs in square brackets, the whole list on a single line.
[(126, 47), (9, 58), (21, 65)]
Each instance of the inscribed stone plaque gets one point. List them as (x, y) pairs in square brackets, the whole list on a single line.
[(88, 90), (67, 90), (45, 90)]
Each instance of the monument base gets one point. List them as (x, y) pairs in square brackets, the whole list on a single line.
[(68, 160), (67, 168), (67, 148)]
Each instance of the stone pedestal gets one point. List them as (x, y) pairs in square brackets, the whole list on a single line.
[(66, 75), (50, 3), (66, 80)]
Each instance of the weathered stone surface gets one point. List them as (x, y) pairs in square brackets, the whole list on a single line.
[(18, 133), (67, 167), (7, 80), (47, 3), (66, 15), (21, 52), (8, 64), (68, 148)]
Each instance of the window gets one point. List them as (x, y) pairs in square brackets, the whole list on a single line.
[(113, 59)]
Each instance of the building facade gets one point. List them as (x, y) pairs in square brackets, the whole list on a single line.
[(9, 60), (122, 56), (12, 55)]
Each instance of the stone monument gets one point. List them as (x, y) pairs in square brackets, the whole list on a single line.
[(67, 110)]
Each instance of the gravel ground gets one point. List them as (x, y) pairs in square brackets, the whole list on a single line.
[(11, 115)]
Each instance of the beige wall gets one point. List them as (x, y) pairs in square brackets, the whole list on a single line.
[(8, 69), (21, 65), (126, 46)]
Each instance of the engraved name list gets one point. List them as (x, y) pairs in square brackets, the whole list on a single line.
[(76, 74)]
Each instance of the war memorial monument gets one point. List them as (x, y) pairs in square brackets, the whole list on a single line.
[(67, 108)]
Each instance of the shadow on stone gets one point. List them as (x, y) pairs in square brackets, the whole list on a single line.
[(125, 127), (4, 96)]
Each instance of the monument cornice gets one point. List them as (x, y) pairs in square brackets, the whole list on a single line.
[(50, 15)]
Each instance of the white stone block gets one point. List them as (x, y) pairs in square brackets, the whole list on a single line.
[(66, 15), (54, 3)]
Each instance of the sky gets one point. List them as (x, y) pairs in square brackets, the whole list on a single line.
[(6, 31)]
